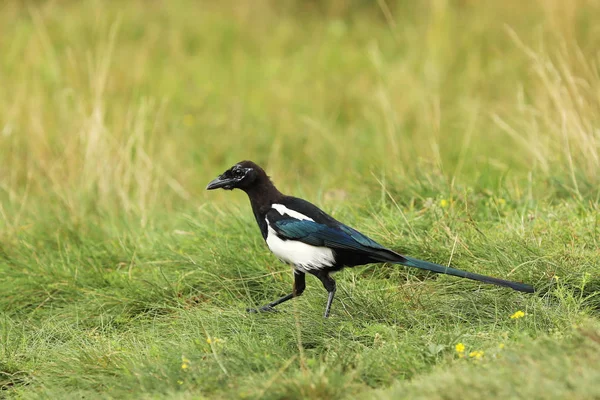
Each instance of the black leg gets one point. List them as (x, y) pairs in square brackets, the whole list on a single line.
[(329, 284), (299, 286)]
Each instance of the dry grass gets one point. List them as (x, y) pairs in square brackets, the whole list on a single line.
[(108, 111)]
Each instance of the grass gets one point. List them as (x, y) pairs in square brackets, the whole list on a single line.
[(453, 131)]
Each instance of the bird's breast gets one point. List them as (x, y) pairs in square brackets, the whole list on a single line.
[(302, 256)]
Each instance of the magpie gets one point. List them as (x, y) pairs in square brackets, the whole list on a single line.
[(301, 234)]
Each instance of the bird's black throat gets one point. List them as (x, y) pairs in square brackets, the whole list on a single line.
[(262, 194)]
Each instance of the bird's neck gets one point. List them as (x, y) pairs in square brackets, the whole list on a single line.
[(262, 195)]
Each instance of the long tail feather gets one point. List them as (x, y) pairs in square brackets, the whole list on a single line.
[(413, 262)]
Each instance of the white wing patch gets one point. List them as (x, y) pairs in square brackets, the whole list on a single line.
[(302, 256), (283, 210)]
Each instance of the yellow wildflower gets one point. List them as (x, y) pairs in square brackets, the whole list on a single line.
[(477, 354), (208, 340), (502, 202), (556, 278), (460, 350), (443, 203), (185, 363), (517, 315), (180, 382), (501, 346)]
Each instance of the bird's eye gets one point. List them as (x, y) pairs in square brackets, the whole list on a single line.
[(238, 173)]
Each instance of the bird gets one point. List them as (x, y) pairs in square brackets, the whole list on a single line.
[(313, 242)]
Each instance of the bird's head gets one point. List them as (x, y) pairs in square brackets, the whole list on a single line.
[(242, 175)]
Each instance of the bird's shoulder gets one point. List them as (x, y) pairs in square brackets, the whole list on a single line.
[(300, 209)]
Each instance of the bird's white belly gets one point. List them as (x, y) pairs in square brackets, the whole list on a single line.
[(302, 256)]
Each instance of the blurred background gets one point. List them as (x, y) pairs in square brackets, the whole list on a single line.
[(128, 108)]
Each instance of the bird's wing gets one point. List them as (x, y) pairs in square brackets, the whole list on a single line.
[(316, 234)]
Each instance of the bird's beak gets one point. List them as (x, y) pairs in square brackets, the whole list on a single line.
[(220, 182)]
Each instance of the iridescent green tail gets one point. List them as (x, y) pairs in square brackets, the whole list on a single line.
[(413, 262)]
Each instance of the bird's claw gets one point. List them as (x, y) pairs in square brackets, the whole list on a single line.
[(261, 310)]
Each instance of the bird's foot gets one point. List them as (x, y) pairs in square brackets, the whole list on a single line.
[(261, 310)]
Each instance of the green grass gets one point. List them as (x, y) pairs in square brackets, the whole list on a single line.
[(452, 131)]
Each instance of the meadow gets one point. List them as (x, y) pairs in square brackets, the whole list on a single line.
[(455, 131)]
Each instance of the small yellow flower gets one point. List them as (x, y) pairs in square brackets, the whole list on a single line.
[(556, 278), (477, 354), (180, 382), (517, 315), (185, 363), (460, 350), (501, 202), (208, 340), (443, 203), (501, 346)]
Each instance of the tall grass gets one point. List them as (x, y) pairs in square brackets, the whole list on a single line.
[(121, 110)]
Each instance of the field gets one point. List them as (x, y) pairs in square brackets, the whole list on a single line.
[(456, 131)]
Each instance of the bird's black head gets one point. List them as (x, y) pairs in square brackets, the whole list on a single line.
[(242, 175)]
